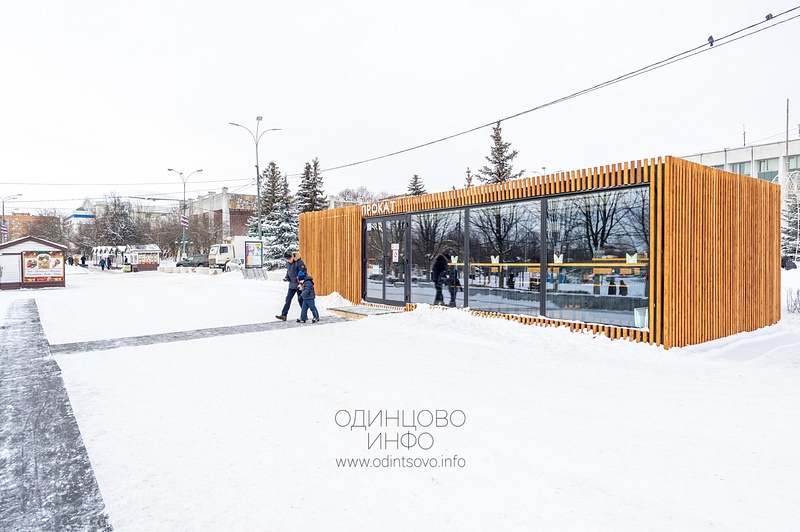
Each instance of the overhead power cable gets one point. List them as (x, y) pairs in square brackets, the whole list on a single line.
[(120, 184), (156, 195), (710, 44)]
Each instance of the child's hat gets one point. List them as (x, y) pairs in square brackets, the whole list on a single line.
[(301, 274)]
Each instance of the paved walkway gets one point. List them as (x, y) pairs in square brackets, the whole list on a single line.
[(102, 345), (46, 480)]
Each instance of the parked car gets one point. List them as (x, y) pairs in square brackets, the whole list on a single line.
[(194, 261), (234, 265)]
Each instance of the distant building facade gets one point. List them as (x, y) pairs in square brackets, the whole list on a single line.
[(81, 215), (20, 224), (769, 162), (230, 212)]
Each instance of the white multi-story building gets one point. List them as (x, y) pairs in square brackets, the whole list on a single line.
[(81, 215), (770, 162)]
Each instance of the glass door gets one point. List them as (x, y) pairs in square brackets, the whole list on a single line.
[(385, 276), (373, 276)]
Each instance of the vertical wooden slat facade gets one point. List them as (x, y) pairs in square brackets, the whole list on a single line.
[(714, 245), (330, 244)]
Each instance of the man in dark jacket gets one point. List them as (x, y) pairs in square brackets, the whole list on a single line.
[(295, 266)]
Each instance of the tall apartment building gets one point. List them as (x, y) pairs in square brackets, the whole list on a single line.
[(19, 224)]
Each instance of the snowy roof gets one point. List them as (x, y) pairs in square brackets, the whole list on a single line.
[(40, 241), (141, 248), (105, 250)]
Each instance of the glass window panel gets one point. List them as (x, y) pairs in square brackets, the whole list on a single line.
[(597, 255), (794, 163), (768, 169), (741, 168), (437, 258), (505, 258), (768, 165)]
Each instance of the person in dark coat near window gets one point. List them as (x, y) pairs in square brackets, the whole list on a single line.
[(295, 266), (438, 277)]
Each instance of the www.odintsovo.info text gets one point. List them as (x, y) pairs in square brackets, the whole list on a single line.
[(390, 461)]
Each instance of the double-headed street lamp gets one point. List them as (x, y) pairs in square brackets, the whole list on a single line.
[(183, 210), (256, 138), (4, 200)]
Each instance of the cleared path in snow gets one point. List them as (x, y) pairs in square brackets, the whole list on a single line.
[(46, 479), (181, 336)]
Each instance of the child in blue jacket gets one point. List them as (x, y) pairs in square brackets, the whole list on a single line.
[(306, 286)]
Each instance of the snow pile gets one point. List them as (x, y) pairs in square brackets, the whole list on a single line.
[(562, 431), (76, 270), (332, 300)]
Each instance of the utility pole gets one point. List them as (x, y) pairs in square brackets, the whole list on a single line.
[(787, 138), (256, 137), (5, 226), (183, 210)]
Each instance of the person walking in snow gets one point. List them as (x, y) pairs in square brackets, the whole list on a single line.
[(306, 286), (102, 264), (295, 266)]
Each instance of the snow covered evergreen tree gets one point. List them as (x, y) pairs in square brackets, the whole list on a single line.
[(310, 195), (790, 227), (415, 187), (272, 182), (271, 190), (281, 226), (500, 159), (469, 178)]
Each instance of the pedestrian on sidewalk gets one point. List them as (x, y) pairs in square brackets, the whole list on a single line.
[(295, 266), (102, 264), (306, 286)]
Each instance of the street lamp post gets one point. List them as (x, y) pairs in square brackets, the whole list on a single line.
[(183, 209), (256, 137), (4, 200)]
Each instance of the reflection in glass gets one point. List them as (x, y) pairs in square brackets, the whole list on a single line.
[(597, 257), (375, 273), (437, 242), (595, 261), (395, 260), (505, 258)]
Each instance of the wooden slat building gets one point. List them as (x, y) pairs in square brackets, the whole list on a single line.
[(713, 257)]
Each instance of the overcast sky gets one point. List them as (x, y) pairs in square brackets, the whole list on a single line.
[(102, 96)]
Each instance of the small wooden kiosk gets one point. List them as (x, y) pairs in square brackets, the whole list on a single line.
[(663, 251), (31, 262), (142, 258)]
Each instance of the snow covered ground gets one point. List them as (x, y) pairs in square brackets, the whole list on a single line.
[(562, 431)]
